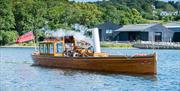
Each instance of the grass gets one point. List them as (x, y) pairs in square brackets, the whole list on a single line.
[(27, 44), (156, 21), (115, 45), (103, 44)]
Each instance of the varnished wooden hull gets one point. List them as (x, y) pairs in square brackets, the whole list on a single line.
[(115, 64)]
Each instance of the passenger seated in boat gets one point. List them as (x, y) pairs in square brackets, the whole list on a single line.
[(69, 48)]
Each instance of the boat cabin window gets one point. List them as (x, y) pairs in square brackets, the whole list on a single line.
[(51, 48), (46, 48), (41, 48), (59, 48)]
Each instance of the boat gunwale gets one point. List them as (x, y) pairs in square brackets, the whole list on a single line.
[(91, 57)]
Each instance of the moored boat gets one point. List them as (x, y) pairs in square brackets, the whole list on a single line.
[(66, 52)]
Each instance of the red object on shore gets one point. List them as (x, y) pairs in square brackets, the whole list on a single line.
[(25, 37)]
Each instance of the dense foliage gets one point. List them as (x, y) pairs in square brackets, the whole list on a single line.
[(20, 16), (148, 9), (8, 37)]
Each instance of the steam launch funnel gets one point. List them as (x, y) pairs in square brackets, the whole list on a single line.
[(95, 33)]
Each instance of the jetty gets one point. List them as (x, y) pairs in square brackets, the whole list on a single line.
[(156, 45)]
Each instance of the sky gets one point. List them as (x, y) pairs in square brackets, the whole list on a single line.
[(101, 0)]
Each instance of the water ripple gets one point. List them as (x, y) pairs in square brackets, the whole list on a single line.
[(17, 74)]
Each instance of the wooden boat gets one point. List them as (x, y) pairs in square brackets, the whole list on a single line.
[(115, 64), (54, 53)]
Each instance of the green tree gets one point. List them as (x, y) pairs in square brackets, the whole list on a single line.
[(168, 7), (164, 6), (177, 5), (8, 37), (29, 15), (177, 17), (7, 21), (37, 12), (90, 13), (136, 18), (55, 12), (148, 8)]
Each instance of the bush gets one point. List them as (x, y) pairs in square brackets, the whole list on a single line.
[(148, 16), (115, 45), (168, 18), (8, 37), (177, 17)]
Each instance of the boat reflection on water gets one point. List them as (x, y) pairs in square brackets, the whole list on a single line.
[(73, 72)]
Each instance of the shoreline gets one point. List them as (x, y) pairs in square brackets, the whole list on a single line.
[(101, 47), (17, 46), (34, 46)]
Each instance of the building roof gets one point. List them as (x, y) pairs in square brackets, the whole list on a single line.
[(135, 27), (172, 25), (108, 25)]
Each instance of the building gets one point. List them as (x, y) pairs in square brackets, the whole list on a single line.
[(106, 30), (143, 32), (175, 28), (166, 13), (139, 32)]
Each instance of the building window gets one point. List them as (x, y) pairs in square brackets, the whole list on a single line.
[(158, 36), (108, 38), (109, 31)]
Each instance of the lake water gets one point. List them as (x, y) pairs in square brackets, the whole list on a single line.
[(17, 74)]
